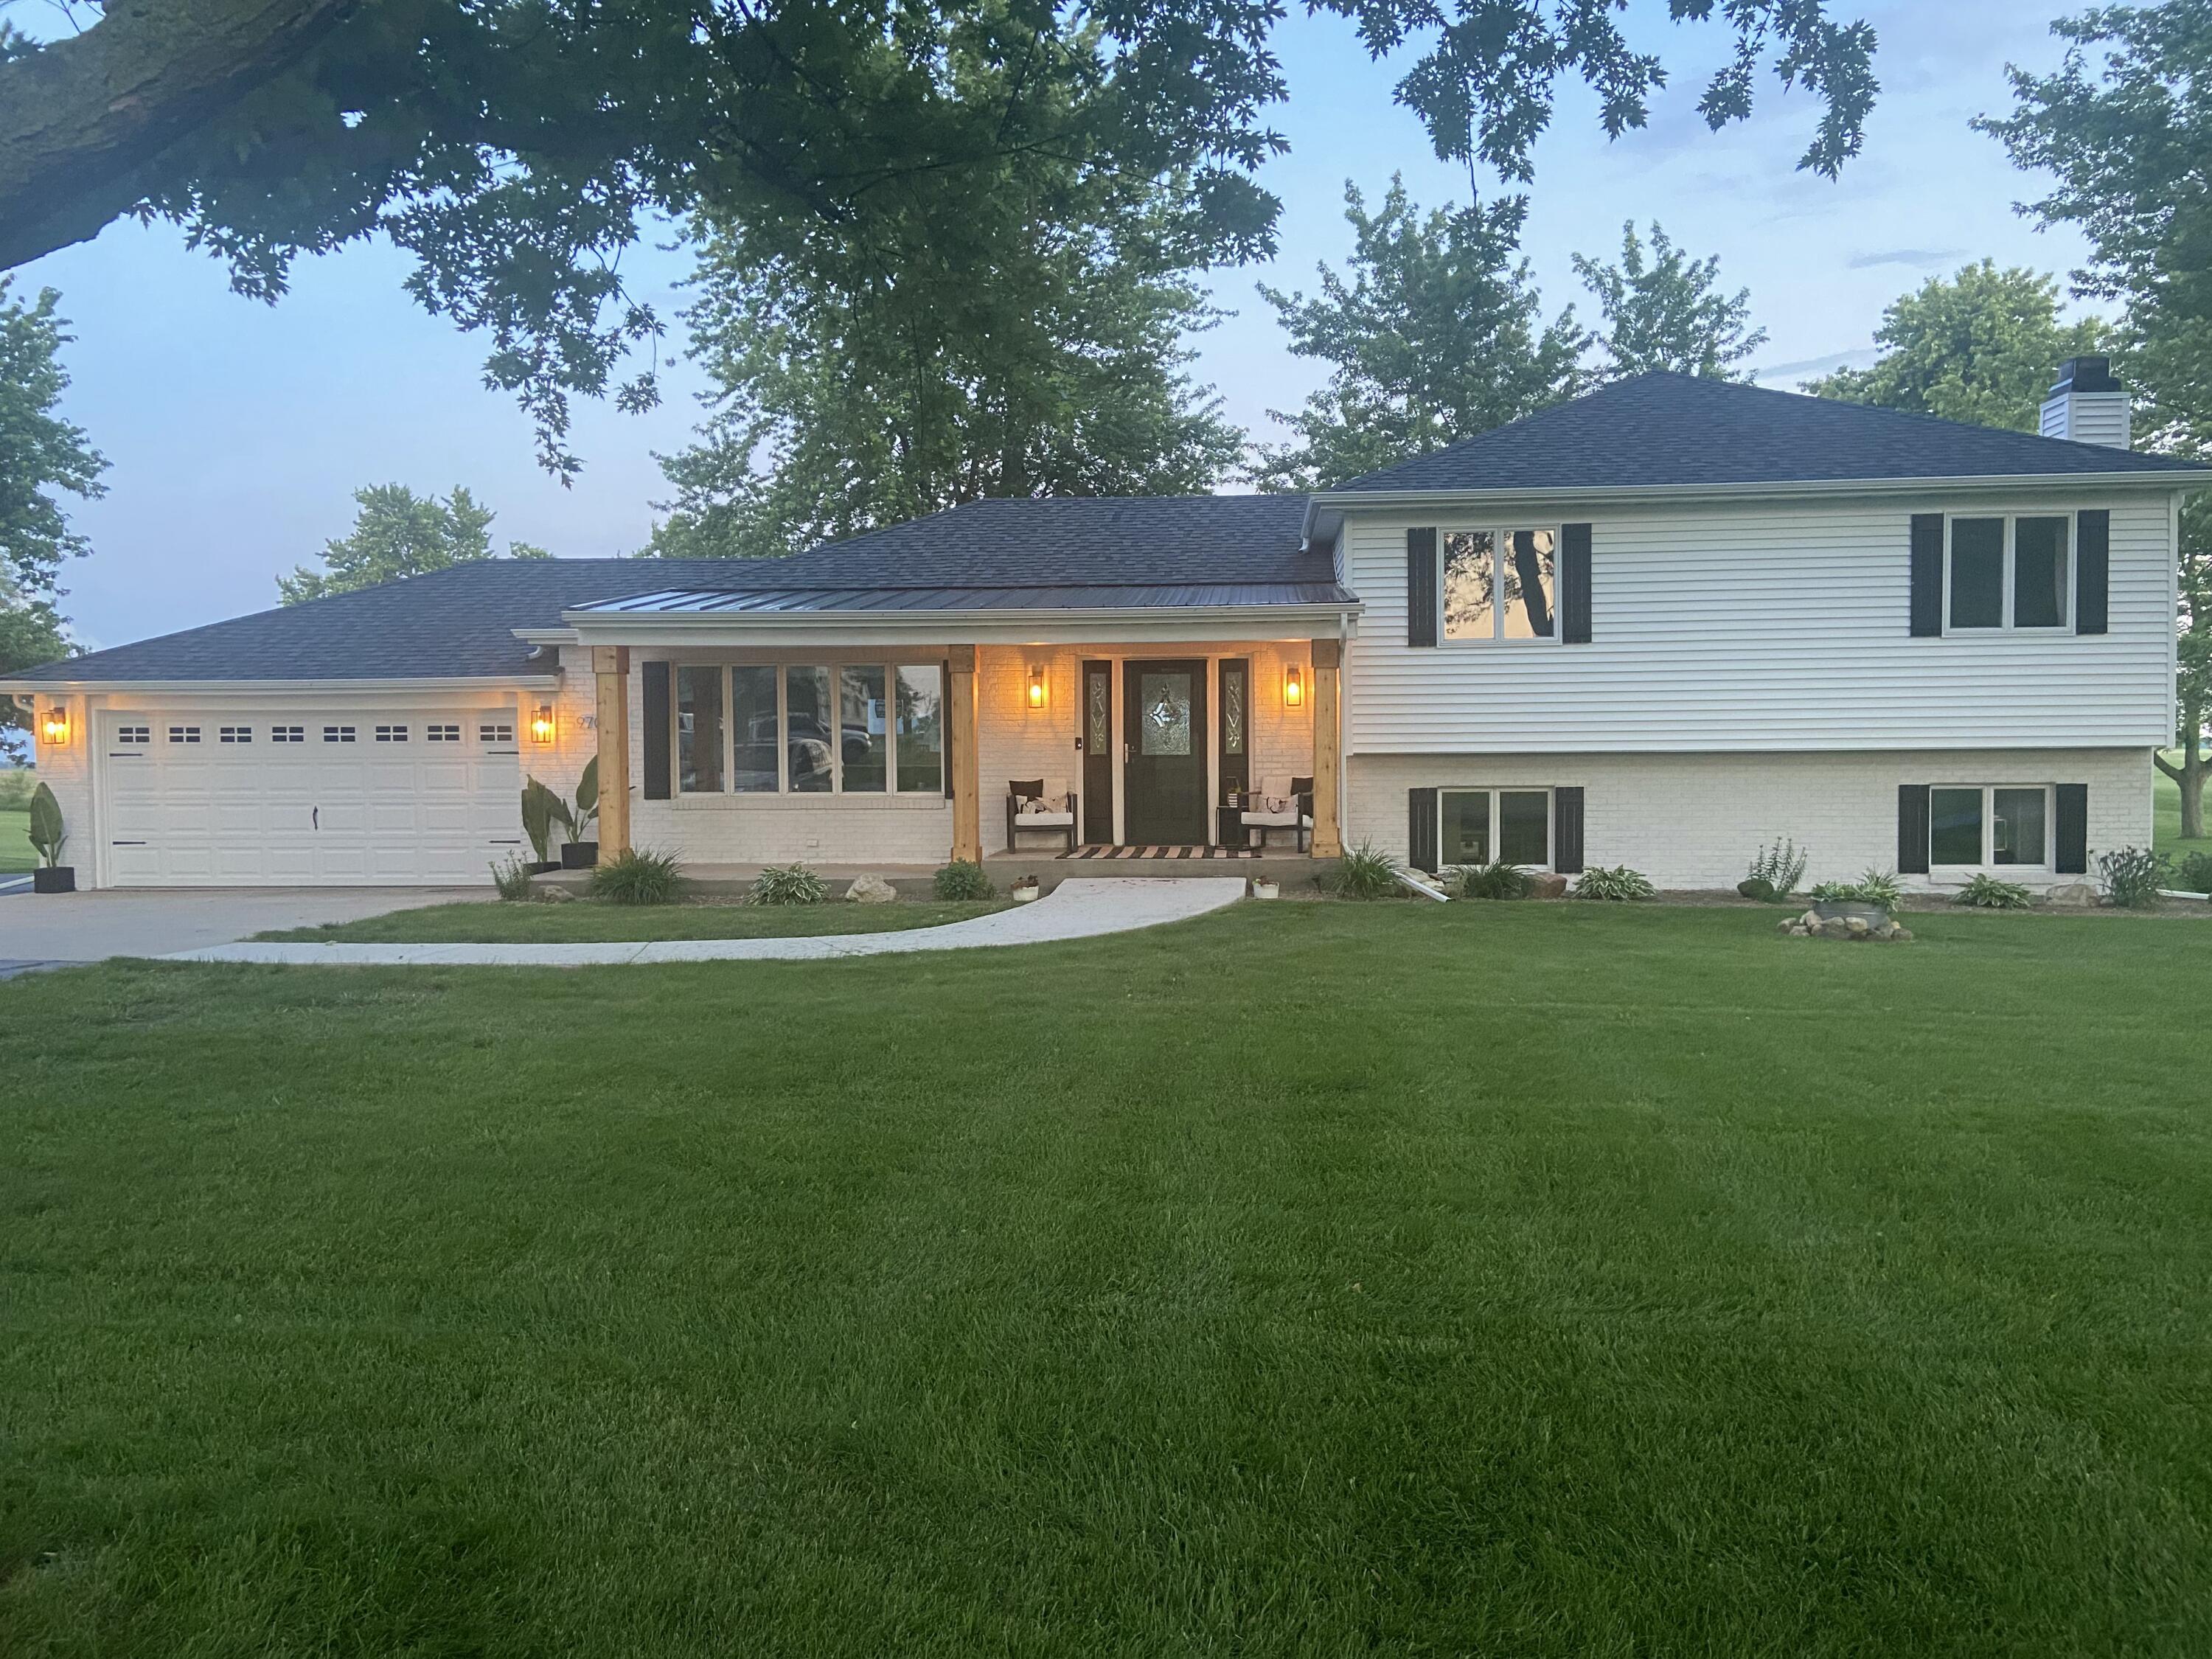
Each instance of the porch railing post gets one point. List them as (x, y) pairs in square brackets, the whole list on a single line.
[(610, 672), (967, 811)]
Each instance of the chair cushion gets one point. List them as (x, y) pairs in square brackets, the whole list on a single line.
[(1287, 818), (1042, 820)]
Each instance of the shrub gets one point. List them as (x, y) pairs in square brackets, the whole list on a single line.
[(788, 884), (17, 784), (1986, 892), (1758, 887), (637, 877), (1780, 865), (1366, 871), (2133, 876), (2195, 873), (1620, 883), (47, 836), (511, 878), (1500, 880), (963, 880)]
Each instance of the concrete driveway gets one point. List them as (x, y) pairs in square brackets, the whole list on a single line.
[(90, 927)]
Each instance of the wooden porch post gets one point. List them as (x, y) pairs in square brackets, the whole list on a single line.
[(610, 669), (1327, 834), (960, 707)]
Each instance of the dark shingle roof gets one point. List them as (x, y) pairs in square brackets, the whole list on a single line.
[(1680, 430), (1081, 552)]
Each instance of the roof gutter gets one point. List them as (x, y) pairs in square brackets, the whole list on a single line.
[(2173, 479), (1010, 625), (265, 688)]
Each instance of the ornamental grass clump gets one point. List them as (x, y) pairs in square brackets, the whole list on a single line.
[(637, 877), (511, 878), (1621, 885), (1986, 892), (2133, 875), (1366, 871), (789, 883), (963, 878), (1496, 880), (1775, 871)]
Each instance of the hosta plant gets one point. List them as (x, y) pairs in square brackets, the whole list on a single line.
[(1620, 883), (789, 883), (1986, 892), (637, 877)]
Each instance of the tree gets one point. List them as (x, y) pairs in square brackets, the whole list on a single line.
[(1015, 334), (1663, 312), (2130, 143), (31, 633), (1982, 347), (512, 146), (1438, 336), (397, 534)]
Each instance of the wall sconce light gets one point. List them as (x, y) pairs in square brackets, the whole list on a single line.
[(54, 728), (541, 724), (1294, 687), (1037, 687)]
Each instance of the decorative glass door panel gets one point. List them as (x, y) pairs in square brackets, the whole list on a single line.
[(1163, 707)]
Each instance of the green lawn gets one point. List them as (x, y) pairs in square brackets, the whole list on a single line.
[(2165, 816), (1310, 1279), (585, 919), (16, 853)]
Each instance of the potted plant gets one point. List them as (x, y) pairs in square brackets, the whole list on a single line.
[(47, 839), (580, 819), (541, 810), (1025, 888), (1265, 887)]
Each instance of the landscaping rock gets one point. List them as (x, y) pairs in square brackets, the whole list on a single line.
[(871, 889), (1547, 886), (1857, 926), (2073, 895), (553, 894)]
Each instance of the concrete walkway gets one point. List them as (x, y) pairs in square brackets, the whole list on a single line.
[(1077, 908)]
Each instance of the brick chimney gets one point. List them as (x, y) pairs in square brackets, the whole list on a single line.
[(2087, 404)]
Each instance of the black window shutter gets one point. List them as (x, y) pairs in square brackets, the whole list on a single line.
[(1927, 573), (1421, 828), (1567, 831), (656, 730), (2093, 570), (1421, 587), (2072, 830), (1574, 584), (1911, 828)]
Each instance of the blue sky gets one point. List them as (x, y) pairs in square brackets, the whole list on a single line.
[(238, 431)]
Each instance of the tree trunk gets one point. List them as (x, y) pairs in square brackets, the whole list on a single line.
[(2190, 775), (80, 119)]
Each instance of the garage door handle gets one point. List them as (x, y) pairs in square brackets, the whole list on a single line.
[(315, 817)]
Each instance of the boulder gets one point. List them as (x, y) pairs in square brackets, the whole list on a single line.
[(2073, 895), (1857, 926), (1543, 885), (1902, 936), (871, 889)]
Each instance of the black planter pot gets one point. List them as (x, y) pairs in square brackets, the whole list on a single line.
[(579, 855), (59, 879), (541, 869)]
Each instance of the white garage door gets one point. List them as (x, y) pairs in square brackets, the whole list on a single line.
[(213, 797)]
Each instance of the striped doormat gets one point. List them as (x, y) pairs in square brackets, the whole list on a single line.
[(1161, 853)]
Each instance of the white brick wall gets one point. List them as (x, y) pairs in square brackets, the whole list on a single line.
[(1694, 821)]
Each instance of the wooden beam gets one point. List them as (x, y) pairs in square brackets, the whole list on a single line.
[(1327, 831), (611, 670), (967, 798)]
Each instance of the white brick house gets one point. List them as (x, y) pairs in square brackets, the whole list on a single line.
[(1658, 626)]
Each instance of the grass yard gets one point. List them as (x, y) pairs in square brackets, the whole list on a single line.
[(2165, 815), (591, 919), (1310, 1279), (16, 852)]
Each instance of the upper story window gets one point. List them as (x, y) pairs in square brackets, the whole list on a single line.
[(2003, 573), (1499, 584)]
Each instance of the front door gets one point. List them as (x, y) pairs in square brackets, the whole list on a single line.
[(1164, 753)]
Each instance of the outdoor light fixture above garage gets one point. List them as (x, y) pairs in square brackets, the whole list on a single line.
[(54, 728)]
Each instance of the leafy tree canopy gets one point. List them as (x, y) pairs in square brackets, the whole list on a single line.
[(513, 147), (31, 633), (40, 453), (1438, 334), (1012, 334), (1982, 347), (396, 534), (1662, 312)]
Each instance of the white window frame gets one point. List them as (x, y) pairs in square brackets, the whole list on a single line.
[(836, 665), (2008, 564), (1497, 816), (1989, 866), (1500, 537)]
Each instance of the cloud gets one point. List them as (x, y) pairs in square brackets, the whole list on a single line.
[(1858, 359), (1919, 258)]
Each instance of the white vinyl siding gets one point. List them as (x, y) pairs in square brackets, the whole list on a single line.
[(1748, 627)]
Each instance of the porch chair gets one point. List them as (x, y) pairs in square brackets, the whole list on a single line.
[(1295, 815), (1026, 809)]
